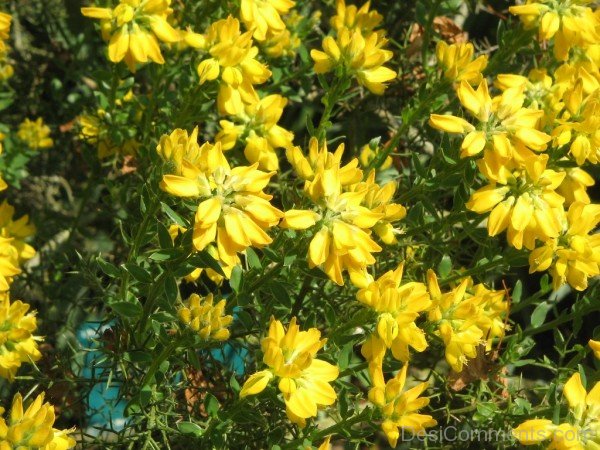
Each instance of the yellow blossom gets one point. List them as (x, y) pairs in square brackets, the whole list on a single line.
[(580, 428), (353, 18), (579, 125), (398, 305), (215, 277), (398, 406), (233, 61), (263, 17), (3, 184), (35, 134), (356, 55), (205, 318), (17, 231), (9, 263), (457, 63), (95, 132), (17, 343), (257, 128), (595, 346), (345, 212), (574, 256), (134, 29), (5, 22), (465, 318), (527, 205), (233, 211), (504, 126), (304, 380), (32, 428), (569, 23), (574, 187), (369, 154)]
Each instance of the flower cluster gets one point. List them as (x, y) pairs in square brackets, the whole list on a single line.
[(134, 29), (234, 212), (357, 49), (580, 430), (17, 343), (346, 209), (256, 126), (205, 318), (35, 134), (399, 407), (6, 70), (32, 427), (531, 140), (303, 379), (14, 250)]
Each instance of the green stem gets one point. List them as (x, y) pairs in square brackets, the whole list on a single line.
[(167, 351), (330, 99)]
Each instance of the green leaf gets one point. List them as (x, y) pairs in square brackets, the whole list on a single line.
[(205, 260), (236, 279), (164, 238), (171, 289), (190, 428), (173, 215), (517, 292), (129, 310), (538, 317), (444, 267), (109, 269), (211, 404), (253, 259), (137, 272)]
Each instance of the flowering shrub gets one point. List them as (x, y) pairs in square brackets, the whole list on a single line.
[(294, 225)]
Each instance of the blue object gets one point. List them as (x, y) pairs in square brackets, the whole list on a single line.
[(104, 410)]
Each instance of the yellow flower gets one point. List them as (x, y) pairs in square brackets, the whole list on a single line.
[(466, 317), (257, 128), (9, 263), (134, 28), (369, 154), (5, 21), (503, 123), (378, 200), (284, 43), (17, 231), (527, 206), (357, 56), (354, 18), (319, 160), (569, 23), (3, 184), (94, 131), (213, 276), (233, 211), (35, 134), (398, 306), (574, 256), (345, 213), (32, 428), (574, 186), (17, 343), (304, 380), (263, 17), (398, 406), (205, 318), (457, 63), (581, 428), (579, 125), (595, 346), (233, 59)]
